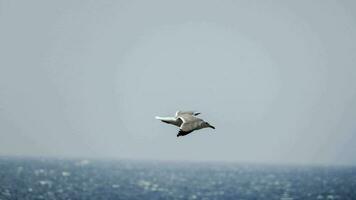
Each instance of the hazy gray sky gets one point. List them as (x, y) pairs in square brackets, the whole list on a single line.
[(86, 78)]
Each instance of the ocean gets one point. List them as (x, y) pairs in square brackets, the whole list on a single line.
[(31, 178)]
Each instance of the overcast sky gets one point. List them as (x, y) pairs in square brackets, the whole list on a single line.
[(85, 78)]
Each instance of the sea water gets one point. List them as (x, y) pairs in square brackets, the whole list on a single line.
[(24, 178)]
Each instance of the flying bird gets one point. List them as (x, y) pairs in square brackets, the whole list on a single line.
[(186, 121)]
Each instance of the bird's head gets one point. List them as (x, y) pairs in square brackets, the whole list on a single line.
[(208, 125)]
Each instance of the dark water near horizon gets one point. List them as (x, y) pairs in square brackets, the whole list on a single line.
[(86, 179)]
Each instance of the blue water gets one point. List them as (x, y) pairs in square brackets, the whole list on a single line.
[(87, 179)]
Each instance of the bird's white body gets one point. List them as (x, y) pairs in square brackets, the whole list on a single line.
[(186, 121)]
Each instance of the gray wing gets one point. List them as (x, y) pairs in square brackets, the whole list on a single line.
[(171, 120), (186, 113)]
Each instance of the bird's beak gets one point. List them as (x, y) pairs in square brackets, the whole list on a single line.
[(211, 126)]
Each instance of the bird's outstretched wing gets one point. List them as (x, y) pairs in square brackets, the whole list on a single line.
[(183, 133), (171, 120), (186, 112)]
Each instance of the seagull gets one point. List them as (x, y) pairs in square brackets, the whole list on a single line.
[(186, 121)]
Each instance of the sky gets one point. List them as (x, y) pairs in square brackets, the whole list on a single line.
[(86, 78)]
